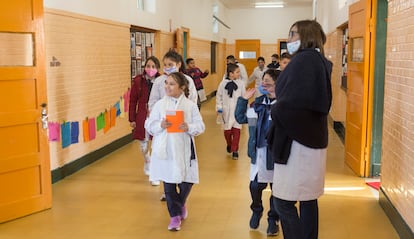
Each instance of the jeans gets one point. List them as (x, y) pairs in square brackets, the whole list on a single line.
[(295, 226), (176, 200), (256, 190)]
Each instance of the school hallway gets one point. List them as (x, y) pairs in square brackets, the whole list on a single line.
[(112, 198)]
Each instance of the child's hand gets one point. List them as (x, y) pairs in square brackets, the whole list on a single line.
[(249, 93), (183, 127), (165, 124), (133, 124)]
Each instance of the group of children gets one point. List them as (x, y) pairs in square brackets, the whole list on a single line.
[(173, 160)]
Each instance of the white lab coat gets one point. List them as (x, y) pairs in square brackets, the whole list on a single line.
[(257, 77), (303, 177), (243, 74), (171, 152), (227, 104), (158, 90)]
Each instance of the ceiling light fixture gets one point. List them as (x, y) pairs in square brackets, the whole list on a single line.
[(269, 5)]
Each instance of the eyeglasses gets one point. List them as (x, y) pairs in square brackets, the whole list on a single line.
[(292, 33)]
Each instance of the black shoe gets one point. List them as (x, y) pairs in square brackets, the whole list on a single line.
[(273, 228), (255, 220), (235, 155), (228, 149), (163, 198)]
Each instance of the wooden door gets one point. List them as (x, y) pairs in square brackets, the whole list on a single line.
[(247, 52), (25, 178), (182, 41), (359, 91)]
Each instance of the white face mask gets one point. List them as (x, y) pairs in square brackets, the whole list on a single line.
[(293, 47), (170, 70)]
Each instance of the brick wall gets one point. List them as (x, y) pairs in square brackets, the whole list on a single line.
[(94, 73), (333, 51), (397, 169)]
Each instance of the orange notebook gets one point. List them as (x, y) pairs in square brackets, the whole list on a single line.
[(175, 117)]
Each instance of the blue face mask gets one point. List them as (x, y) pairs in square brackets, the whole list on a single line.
[(262, 90), (293, 47), (170, 70)]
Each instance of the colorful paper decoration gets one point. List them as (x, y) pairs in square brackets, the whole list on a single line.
[(92, 129), (113, 116), (85, 130), (74, 132), (65, 129), (100, 121), (54, 131), (107, 122)]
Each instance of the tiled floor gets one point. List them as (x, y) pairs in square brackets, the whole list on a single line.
[(112, 198)]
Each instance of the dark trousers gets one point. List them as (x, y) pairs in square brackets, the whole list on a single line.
[(295, 226), (256, 191), (232, 137), (176, 199)]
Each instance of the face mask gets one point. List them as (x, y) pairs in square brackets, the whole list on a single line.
[(151, 72), (293, 47), (262, 90), (170, 70), (273, 62)]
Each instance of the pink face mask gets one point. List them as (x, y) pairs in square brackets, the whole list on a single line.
[(151, 72)]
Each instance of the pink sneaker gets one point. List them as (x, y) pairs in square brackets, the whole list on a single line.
[(184, 213), (175, 223)]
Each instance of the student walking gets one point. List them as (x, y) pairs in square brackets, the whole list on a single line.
[(173, 62), (138, 107), (261, 162), (173, 158), (243, 73), (257, 75), (228, 91), (196, 74)]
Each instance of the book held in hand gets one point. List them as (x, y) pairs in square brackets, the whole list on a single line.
[(176, 118)]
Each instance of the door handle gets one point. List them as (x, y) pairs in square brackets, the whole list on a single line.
[(44, 116)]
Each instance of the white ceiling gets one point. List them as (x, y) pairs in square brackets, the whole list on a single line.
[(236, 4)]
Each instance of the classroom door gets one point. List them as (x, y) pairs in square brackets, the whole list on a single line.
[(182, 41), (25, 178), (247, 52), (359, 91)]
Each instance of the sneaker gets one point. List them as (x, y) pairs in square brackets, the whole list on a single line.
[(184, 212), (273, 228), (155, 183), (235, 155), (255, 220), (163, 198), (175, 224), (228, 149)]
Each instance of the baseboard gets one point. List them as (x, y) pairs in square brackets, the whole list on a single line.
[(339, 128), (403, 230), (78, 164), (211, 95)]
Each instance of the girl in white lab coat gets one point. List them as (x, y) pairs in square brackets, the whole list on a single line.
[(173, 158), (228, 91)]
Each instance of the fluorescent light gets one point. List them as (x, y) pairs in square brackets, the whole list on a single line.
[(269, 5)]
